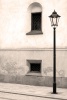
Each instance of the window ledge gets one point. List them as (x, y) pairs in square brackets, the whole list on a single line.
[(34, 32), (33, 73)]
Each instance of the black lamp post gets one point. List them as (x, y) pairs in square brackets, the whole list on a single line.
[(54, 18)]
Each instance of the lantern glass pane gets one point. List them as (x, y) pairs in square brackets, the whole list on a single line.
[(54, 21), (58, 19), (51, 19)]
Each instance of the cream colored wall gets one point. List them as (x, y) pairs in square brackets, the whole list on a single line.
[(10, 64), (15, 23)]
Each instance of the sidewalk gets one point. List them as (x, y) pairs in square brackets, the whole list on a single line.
[(37, 91)]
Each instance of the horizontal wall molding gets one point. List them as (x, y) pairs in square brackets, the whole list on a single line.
[(34, 49)]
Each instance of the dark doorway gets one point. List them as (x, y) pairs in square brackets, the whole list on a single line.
[(36, 21), (35, 67)]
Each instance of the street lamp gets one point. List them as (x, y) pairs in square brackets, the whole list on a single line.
[(54, 18)]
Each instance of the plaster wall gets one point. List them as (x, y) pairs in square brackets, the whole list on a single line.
[(15, 22), (14, 68)]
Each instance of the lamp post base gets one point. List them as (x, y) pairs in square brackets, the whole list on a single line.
[(54, 88)]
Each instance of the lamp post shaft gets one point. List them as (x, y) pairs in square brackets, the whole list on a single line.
[(54, 62), (54, 18)]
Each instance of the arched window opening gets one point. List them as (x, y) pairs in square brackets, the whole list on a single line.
[(35, 10)]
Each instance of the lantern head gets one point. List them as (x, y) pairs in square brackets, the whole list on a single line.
[(54, 18)]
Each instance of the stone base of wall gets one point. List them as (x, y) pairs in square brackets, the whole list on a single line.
[(34, 80)]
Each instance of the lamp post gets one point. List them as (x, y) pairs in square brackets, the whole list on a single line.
[(54, 18)]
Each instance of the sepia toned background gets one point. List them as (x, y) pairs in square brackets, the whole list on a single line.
[(19, 49)]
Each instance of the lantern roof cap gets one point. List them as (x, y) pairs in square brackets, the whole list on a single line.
[(54, 15)]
